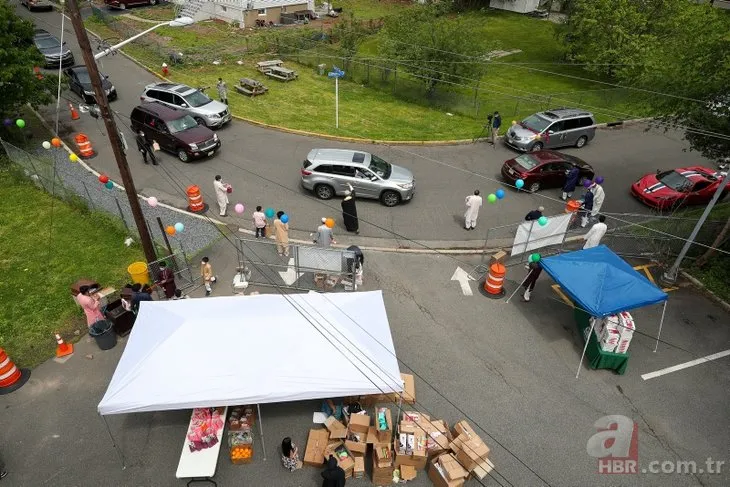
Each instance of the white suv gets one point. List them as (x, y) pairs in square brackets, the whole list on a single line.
[(194, 102)]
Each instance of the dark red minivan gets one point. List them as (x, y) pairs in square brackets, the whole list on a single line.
[(543, 169)]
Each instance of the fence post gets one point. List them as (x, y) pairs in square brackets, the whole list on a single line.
[(476, 93), (367, 70), (164, 235), (121, 214), (517, 107), (91, 202), (395, 78)]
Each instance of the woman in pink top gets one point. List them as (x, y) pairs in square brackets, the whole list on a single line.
[(259, 222), (90, 305)]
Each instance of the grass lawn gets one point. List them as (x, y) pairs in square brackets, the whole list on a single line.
[(371, 9), (36, 279)]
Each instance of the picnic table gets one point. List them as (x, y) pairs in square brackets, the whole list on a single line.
[(250, 87), (282, 74), (265, 66)]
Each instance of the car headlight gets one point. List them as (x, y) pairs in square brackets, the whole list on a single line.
[(194, 146), (406, 185), (215, 137), (214, 116)]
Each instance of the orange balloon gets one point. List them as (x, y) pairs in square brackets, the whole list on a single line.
[(170, 230), (330, 223), (56, 142)]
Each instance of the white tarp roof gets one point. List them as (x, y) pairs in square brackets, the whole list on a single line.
[(225, 351)]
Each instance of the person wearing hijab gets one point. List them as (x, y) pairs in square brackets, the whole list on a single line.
[(349, 211), (333, 474), (571, 181), (281, 232), (290, 455)]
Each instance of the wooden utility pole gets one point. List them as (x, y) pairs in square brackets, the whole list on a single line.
[(111, 130)]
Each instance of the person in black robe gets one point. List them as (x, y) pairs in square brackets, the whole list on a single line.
[(333, 474), (349, 212)]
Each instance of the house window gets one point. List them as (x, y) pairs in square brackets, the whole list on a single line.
[(262, 11), (224, 9)]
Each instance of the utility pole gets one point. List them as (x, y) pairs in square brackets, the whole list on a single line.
[(670, 276), (111, 130)]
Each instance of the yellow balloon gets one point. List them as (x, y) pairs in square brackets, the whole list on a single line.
[(73, 158), (514, 122)]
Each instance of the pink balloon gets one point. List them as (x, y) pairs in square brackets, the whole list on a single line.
[(152, 201), (239, 208)]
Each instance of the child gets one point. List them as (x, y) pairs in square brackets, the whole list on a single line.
[(259, 222)]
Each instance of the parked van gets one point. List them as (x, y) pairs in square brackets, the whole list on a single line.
[(553, 128), (175, 131), (328, 172)]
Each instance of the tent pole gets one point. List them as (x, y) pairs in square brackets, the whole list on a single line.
[(661, 322), (114, 443), (261, 430), (585, 347), (518, 287)]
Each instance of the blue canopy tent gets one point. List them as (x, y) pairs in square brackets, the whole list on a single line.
[(602, 283)]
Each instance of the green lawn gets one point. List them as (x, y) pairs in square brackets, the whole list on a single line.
[(37, 276), (371, 9)]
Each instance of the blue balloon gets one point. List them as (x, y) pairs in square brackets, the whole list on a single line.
[(179, 227), (520, 183), (284, 218), (499, 193)]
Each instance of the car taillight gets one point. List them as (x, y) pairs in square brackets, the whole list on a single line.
[(305, 172)]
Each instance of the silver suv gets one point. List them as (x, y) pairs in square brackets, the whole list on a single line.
[(205, 111), (553, 128), (328, 172)]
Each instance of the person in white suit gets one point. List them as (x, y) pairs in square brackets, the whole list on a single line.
[(598, 196), (595, 234), (473, 203), (221, 194)]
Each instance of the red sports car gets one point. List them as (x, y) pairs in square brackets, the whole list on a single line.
[(665, 190)]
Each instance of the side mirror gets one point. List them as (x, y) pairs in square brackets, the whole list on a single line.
[(373, 178), (184, 105)]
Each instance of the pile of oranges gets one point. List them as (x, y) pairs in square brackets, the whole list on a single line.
[(241, 453)]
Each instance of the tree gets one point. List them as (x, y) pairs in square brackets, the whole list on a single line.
[(349, 33), (433, 47), (18, 57)]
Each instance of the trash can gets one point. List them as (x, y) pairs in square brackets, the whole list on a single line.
[(138, 272), (103, 333)]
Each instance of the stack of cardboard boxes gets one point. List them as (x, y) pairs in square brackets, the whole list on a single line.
[(470, 450), (445, 471)]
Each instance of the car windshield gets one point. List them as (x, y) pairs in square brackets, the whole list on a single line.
[(197, 99), (184, 123), (674, 180), (527, 161), (380, 167), (47, 42), (84, 77), (535, 123)]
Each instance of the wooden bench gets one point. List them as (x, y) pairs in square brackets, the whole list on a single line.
[(265, 66), (282, 74), (250, 87)]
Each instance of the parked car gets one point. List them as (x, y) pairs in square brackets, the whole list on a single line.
[(554, 128), (194, 102), (543, 169), (123, 4), (693, 185), (175, 131), (79, 81), (328, 172), (37, 4), (53, 51)]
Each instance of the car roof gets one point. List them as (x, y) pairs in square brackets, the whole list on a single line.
[(552, 156), (163, 111), (178, 88), (338, 156), (560, 113)]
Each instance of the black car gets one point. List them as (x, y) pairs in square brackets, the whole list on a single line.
[(79, 82), (52, 49)]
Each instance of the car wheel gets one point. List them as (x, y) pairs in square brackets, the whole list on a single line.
[(200, 121), (536, 147), (122, 6), (534, 187), (390, 198), (324, 192), (183, 156), (581, 141)]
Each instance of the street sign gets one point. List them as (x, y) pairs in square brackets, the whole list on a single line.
[(336, 73)]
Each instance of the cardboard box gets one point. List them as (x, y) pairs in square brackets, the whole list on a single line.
[(346, 462), (386, 435), (415, 416), (407, 473), (463, 428), (417, 455), (336, 429), (451, 467), (479, 466), (438, 436), (382, 455), (438, 476), (409, 389), (359, 469), (316, 444), (497, 257), (408, 396), (382, 472), (357, 442), (359, 423)]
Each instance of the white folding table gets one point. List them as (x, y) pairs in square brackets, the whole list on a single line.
[(199, 466)]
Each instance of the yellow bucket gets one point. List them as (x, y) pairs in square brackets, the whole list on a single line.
[(138, 273)]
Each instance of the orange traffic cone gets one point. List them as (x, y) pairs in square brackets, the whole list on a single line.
[(63, 348), (74, 113), (11, 377), (37, 72)]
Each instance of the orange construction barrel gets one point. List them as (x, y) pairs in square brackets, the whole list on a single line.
[(195, 199), (493, 284), (138, 272), (572, 206), (84, 145), (11, 377)]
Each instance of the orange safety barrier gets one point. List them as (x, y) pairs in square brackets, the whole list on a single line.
[(74, 113), (84, 145), (63, 348), (493, 284), (195, 199), (11, 377), (37, 72), (572, 206)]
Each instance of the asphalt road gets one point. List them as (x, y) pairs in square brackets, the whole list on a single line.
[(263, 167)]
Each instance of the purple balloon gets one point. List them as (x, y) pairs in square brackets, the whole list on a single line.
[(599, 180), (587, 183)]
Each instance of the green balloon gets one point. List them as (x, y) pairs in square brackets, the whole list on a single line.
[(20, 123), (534, 258), (492, 198)]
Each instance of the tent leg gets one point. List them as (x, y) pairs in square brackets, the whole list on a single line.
[(261, 430), (114, 444), (585, 347), (661, 322), (518, 287)]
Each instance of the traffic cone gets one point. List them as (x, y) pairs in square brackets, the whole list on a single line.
[(165, 70), (12, 378), (37, 72), (63, 348), (74, 113)]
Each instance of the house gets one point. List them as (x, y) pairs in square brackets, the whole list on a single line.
[(245, 13), (520, 6)]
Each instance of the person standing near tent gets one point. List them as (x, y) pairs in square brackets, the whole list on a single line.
[(333, 474), (532, 275), (206, 272), (349, 211), (166, 279), (598, 196), (595, 234), (571, 181), (221, 194), (91, 304), (290, 455), (473, 202), (281, 232)]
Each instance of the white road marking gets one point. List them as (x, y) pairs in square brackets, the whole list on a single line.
[(291, 275), (463, 278), (686, 365)]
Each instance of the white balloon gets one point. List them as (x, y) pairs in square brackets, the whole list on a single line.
[(152, 201), (46, 144)]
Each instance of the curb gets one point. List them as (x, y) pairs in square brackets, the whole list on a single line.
[(697, 283)]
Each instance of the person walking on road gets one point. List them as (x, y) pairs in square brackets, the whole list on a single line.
[(496, 124), (598, 196), (571, 181), (281, 232), (349, 211), (324, 237), (206, 272), (145, 148), (222, 90), (587, 207), (259, 222), (532, 275), (221, 194), (473, 203), (596, 233), (166, 279), (534, 214)]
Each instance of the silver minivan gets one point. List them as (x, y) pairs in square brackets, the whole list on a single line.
[(328, 172), (197, 104), (562, 127)]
